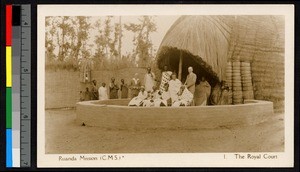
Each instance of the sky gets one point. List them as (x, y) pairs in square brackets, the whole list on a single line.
[(163, 25)]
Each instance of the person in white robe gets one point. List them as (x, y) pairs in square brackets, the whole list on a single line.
[(174, 87), (149, 101), (102, 91), (163, 98), (138, 100), (185, 98), (149, 80), (134, 86), (155, 92), (165, 78)]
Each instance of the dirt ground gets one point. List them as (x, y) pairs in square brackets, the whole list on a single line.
[(64, 136)]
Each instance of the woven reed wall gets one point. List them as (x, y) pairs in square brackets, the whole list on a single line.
[(62, 87), (263, 47), (268, 78)]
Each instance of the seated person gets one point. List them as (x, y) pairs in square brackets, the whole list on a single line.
[(164, 98), (138, 100), (185, 98), (155, 92), (148, 102)]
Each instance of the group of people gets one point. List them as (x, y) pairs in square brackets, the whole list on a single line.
[(172, 92), (169, 92), (102, 93), (115, 91)]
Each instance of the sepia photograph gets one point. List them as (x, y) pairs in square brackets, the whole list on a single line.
[(152, 84)]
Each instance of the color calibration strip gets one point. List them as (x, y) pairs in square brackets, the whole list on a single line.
[(9, 140), (18, 63)]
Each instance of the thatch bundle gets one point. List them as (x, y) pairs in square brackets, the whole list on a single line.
[(209, 42)]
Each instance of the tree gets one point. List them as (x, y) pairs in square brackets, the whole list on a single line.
[(65, 37), (49, 41), (82, 35), (108, 42), (142, 42), (64, 32)]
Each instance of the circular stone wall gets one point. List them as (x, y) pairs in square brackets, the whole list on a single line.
[(114, 114)]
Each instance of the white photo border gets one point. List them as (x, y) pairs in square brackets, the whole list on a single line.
[(285, 159)]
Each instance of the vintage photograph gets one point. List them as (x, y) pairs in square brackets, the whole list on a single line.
[(155, 84)]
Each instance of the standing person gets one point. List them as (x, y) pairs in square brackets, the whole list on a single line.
[(135, 85), (123, 89), (149, 80), (113, 89), (81, 96), (202, 92), (94, 90), (216, 94), (174, 87), (165, 78), (219, 95), (191, 80), (87, 94), (103, 92), (224, 94)]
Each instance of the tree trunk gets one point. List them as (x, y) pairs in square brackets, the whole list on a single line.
[(180, 67), (120, 38), (63, 40)]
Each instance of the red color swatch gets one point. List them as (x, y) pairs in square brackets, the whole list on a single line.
[(8, 25)]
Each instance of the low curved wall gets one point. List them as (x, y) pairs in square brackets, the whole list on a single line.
[(110, 114)]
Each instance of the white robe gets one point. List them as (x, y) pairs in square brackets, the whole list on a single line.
[(149, 81), (174, 87), (155, 94), (138, 100), (163, 99), (185, 99), (102, 93), (148, 102)]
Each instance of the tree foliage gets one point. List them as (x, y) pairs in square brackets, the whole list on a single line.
[(141, 39), (68, 42)]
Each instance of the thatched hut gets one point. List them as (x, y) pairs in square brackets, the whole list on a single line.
[(247, 51)]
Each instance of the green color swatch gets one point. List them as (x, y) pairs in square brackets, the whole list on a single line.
[(8, 107)]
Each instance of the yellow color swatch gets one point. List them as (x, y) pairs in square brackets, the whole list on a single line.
[(8, 67)]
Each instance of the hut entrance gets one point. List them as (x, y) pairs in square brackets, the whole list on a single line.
[(172, 60)]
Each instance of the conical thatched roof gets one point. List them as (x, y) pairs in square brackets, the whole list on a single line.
[(210, 41)]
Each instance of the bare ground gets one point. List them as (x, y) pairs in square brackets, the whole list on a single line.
[(64, 136)]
